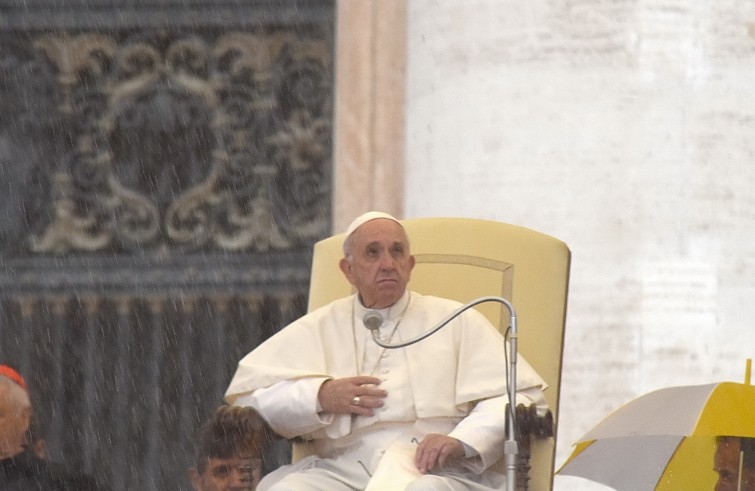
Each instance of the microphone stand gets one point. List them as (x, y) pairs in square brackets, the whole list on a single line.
[(511, 447)]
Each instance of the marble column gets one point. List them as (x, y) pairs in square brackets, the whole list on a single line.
[(369, 120)]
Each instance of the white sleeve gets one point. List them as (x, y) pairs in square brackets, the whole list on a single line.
[(483, 430), (290, 407)]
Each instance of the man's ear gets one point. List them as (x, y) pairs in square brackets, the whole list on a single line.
[(26, 417), (196, 479), (345, 266)]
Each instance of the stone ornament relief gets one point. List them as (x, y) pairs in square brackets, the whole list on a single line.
[(161, 142)]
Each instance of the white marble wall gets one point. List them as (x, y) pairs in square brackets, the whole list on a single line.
[(626, 129)]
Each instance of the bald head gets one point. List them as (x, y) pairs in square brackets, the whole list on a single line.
[(15, 394), (15, 417)]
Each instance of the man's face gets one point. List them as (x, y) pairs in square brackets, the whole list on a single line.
[(13, 425), (727, 467), (233, 474), (379, 264)]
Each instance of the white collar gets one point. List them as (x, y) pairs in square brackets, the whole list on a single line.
[(390, 313)]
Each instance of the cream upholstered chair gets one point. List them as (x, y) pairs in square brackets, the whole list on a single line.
[(465, 259)]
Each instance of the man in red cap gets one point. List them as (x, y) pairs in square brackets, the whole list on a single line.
[(20, 468), (15, 412)]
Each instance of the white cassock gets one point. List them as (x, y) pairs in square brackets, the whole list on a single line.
[(453, 382)]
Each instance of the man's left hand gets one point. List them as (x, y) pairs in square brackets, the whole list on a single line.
[(435, 450)]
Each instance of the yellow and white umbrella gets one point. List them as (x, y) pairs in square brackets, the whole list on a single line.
[(665, 440)]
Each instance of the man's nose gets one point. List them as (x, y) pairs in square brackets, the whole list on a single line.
[(387, 262), (240, 480)]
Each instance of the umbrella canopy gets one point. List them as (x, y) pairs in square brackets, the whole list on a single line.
[(666, 439)]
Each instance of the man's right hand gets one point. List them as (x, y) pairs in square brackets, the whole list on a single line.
[(351, 395)]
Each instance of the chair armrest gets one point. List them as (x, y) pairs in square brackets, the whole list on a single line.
[(532, 425)]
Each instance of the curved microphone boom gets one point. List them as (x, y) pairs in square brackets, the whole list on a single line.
[(374, 319)]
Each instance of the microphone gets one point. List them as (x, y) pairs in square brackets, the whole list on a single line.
[(373, 320), (511, 446)]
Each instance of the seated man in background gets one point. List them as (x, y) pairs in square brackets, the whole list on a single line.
[(227, 451), (735, 463), (21, 469), (428, 416)]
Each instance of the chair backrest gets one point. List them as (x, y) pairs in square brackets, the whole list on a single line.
[(465, 259)]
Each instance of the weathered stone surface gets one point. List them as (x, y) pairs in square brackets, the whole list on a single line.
[(625, 129)]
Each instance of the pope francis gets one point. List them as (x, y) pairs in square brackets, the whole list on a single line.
[(430, 416)]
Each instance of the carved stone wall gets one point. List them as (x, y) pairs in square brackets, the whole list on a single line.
[(165, 137), (165, 168)]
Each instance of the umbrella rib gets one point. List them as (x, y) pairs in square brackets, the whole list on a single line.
[(669, 460)]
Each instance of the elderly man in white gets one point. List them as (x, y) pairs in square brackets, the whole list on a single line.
[(429, 416)]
